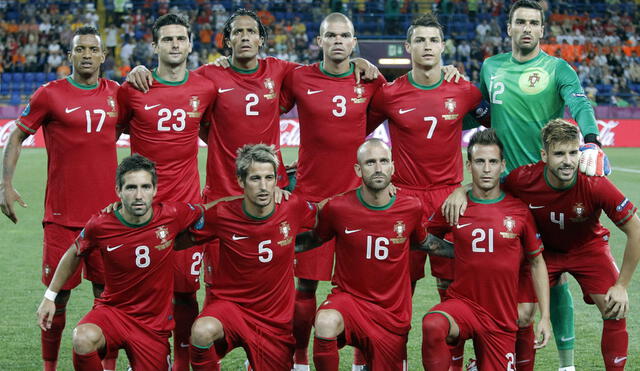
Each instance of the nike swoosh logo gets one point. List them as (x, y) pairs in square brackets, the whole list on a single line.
[(562, 338), (403, 111), (462, 225), (493, 77), (146, 108), (183, 345), (236, 237), (349, 231), (311, 92), (535, 207), (69, 110), (220, 90), (619, 359), (456, 358), (111, 248)]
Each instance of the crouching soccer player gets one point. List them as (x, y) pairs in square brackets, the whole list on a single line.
[(492, 240), (136, 244)]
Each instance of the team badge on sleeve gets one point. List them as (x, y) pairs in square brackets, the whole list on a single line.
[(450, 105), (509, 224), (399, 228), (285, 229), (194, 102), (269, 84), (26, 110)]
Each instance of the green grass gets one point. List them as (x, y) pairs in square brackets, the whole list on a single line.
[(21, 290)]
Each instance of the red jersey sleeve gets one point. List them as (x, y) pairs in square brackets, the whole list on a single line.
[(189, 215), (530, 238), (84, 243), (306, 212), (437, 225), (376, 113), (287, 98), (325, 230), (36, 112), (206, 230), (617, 207), (124, 108)]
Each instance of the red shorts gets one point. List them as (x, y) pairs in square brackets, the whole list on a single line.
[(57, 240), (186, 269), (594, 269), (316, 264), (210, 259), (146, 349), (383, 349), (432, 200), (494, 347), (526, 291), (267, 347)]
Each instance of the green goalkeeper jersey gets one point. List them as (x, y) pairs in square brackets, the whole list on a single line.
[(524, 96)]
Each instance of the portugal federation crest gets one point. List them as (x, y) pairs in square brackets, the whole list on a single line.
[(163, 234), (450, 105), (399, 228), (285, 230), (194, 103), (509, 224), (580, 212), (112, 103), (269, 84), (359, 90)]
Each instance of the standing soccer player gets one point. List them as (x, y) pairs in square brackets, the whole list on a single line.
[(425, 114), (333, 108), (78, 115), (491, 241), (164, 124), (373, 231), (567, 206), (136, 243), (251, 303)]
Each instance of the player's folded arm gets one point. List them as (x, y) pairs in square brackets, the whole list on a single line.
[(435, 246), (306, 241)]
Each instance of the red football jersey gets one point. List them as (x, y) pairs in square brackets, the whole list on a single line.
[(333, 121), (425, 126), (138, 260), (164, 124), (569, 219), (372, 252), (79, 126), (255, 266), (490, 240), (246, 111)]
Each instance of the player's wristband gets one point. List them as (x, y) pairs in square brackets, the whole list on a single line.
[(592, 138), (50, 295)]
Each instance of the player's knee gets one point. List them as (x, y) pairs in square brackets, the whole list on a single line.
[(329, 323), (526, 314), (206, 330), (87, 338), (435, 328), (307, 285)]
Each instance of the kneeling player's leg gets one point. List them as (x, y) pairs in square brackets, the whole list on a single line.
[(525, 337), (615, 338), (304, 314), (494, 348), (185, 311), (561, 306), (87, 340), (204, 332), (110, 359), (439, 330), (329, 324)]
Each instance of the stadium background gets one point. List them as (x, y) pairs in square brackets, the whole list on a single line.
[(598, 38)]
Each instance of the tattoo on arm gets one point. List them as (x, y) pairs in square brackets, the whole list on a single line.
[(306, 241), (437, 246)]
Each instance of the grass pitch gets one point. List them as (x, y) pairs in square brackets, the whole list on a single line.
[(21, 290)]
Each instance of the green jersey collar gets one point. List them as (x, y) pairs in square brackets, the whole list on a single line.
[(491, 201), (244, 209), (371, 207), (351, 68), (540, 55), (240, 70), (81, 86), (573, 181), (170, 83), (424, 87), (131, 225)]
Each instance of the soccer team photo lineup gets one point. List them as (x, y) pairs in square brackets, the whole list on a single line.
[(320, 185)]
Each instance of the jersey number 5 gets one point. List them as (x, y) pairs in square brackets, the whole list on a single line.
[(263, 249)]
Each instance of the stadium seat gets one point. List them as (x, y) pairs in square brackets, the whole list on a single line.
[(6, 78), (5, 89), (51, 76), (18, 77), (41, 78), (29, 77), (15, 99)]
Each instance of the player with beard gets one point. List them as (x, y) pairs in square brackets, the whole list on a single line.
[(164, 124), (78, 115)]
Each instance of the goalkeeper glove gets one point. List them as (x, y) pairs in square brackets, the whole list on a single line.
[(593, 161)]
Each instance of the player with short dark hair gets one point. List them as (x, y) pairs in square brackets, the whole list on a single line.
[(251, 303), (425, 114), (373, 231), (164, 124), (491, 241), (78, 115), (567, 206), (332, 109), (136, 243)]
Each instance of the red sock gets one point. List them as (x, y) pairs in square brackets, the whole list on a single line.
[(435, 351), (203, 359), (110, 360), (525, 352), (615, 341), (50, 339), (457, 356), (50, 365), (325, 354), (304, 314), (358, 357), (87, 362), (185, 311)]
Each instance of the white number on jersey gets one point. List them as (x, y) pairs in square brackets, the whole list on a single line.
[(195, 266), (252, 100), (263, 249), (166, 115), (379, 247), (100, 112), (481, 235), (341, 103), (142, 256), (499, 89), (432, 128), (510, 362), (559, 220)]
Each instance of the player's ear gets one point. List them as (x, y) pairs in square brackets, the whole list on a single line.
[(240, 182), (358, 170), (503, 166), (509, 28), (543, 155), (407, 47), (468, 165)]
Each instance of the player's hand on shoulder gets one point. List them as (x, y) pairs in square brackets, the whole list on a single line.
[(8, 196), (140, 78), (452, 73), (393, 190), (365, 70), (617, 302), (281, 194), (543, 333), (111, 208), (455, 205), (45, 313), (221, 61), (593, 160)]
